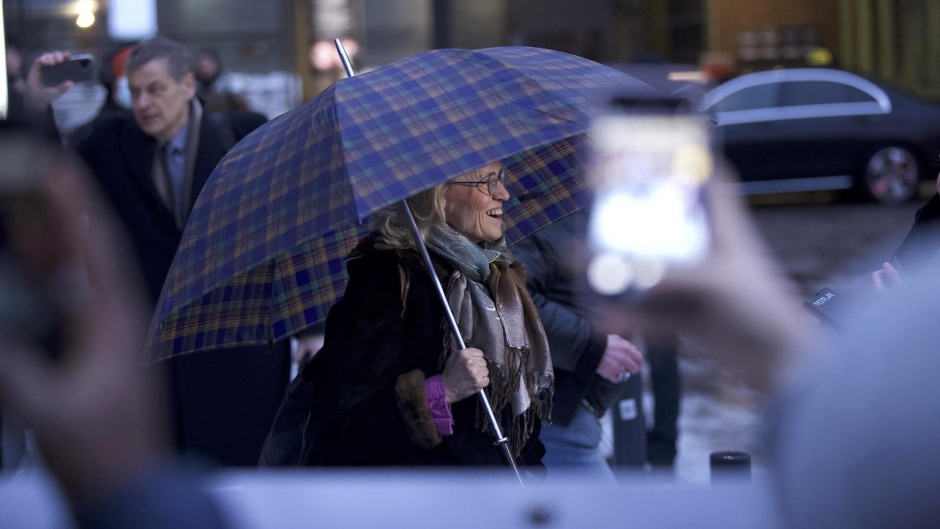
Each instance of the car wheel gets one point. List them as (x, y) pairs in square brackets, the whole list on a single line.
[(892, 175)]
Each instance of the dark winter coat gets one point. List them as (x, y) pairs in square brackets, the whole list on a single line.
[(383, 340)]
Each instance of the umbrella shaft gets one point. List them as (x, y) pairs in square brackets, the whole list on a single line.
[(344, 58)]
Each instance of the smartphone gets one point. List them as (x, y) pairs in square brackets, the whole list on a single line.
[(33, 262), (78, 69), (651, 162), (826, 306)]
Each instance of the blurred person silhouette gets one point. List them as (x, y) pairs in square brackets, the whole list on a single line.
[(391, 385), (14, 60), (855, 422), (662, 355), (211, 87), (150, 166), (592, 366), (97, 417)]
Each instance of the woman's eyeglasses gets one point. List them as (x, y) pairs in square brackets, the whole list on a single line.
[(492, 181)]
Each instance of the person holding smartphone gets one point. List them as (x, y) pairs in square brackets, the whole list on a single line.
[(852, 426), (917, 249), (150, 165)]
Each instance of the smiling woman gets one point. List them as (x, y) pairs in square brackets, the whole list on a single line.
[(475, 207), (388, 365)]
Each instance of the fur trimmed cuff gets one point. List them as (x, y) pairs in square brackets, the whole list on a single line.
[(413, 401)]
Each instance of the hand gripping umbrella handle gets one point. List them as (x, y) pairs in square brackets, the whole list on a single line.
[(501, 440)]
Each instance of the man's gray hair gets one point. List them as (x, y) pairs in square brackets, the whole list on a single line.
[(178, 57)]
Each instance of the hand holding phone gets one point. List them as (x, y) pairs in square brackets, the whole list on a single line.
[(735, 301), (77, 69), (48, 66)]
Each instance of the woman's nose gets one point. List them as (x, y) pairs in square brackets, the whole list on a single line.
[(501, 192)]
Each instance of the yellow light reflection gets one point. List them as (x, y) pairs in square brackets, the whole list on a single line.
[(85, 19)]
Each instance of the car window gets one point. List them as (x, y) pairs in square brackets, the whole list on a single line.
[(750, 98), (795, 93)]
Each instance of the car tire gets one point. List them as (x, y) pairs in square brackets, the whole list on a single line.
[(891, 175)]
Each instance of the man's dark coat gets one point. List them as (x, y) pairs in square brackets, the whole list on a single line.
[(223, 400), (121, 158)]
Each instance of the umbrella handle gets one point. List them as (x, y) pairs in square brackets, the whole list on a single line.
[(501, 440)]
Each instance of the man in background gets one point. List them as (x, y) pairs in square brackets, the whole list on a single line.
[(211, 88), (151, 166)]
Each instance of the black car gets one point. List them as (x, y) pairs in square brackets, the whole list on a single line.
[(822, 129)]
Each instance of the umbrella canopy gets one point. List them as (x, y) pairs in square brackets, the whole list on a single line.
[(261, 256)]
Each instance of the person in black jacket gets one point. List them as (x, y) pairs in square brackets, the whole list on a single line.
[(151, 165), (918, 248), (393, 385), (591, 365)]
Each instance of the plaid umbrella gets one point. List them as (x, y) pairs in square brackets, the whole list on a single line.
[(261, 256)]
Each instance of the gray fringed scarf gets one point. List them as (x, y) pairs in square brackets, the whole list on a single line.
[(508, 331)]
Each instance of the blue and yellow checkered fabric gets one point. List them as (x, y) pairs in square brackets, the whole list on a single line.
[(261, 256)]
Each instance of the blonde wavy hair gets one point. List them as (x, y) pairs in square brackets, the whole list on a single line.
[(427, 207)]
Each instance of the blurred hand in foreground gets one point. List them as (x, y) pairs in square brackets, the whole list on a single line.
[(736, 301), (97, 416)]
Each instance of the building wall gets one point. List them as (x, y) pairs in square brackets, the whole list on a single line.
[(479, 23), (249, 35), (894, 40), (727, 19), (396, 29), (587, 31)]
